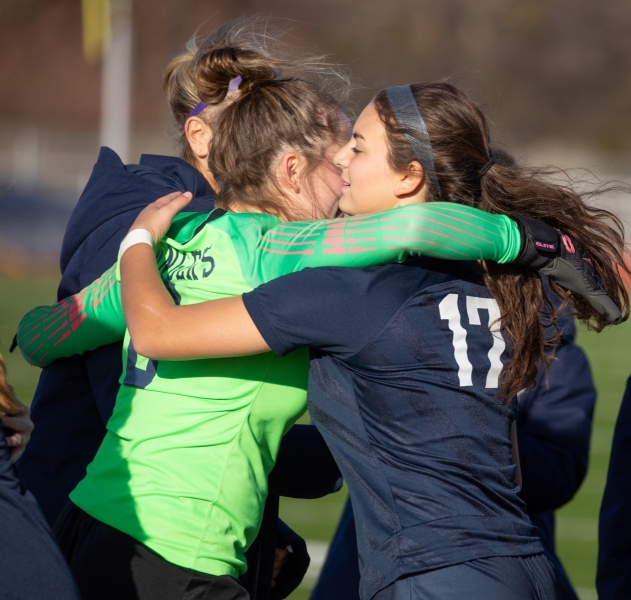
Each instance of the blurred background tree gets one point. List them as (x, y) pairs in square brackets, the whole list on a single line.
[(546, 69)]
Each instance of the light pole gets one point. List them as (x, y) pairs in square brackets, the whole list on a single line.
[(108, 35)]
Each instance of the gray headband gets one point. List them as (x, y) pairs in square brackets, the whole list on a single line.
[(408, 115)]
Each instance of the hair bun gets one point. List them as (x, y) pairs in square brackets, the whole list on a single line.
[(214, 69)]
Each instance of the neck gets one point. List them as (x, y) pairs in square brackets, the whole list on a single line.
[(202, 167)]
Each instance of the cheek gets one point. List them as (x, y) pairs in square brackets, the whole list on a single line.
[(366, 182), (329, 189)]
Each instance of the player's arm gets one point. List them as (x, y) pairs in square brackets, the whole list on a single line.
[(161, 330), (554, 427), (438, 230), (311, 308), (435, 229), (82, 322)]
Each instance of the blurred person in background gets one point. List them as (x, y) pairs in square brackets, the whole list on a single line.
[(75, 396), (31, 564), (613, 577), (554, 422)]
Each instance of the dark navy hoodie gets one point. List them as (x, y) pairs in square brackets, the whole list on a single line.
[(75, 396)]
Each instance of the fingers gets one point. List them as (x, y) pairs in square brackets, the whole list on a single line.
[(15, 453), (14, 440), (22, 426), (176, 204), (281, 556), (157, 216), (18, 424), (179, 197)]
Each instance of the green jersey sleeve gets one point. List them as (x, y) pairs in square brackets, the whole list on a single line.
[(90, 319), (435, 229), (94, 317)]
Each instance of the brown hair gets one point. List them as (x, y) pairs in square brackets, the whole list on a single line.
[(8, 403), (268, 115), (252, 47), (459, 136)]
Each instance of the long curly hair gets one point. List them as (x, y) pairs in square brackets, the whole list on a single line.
[(459, 136)]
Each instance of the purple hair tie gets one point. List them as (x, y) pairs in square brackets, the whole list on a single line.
[(234, 84), (199, 107)]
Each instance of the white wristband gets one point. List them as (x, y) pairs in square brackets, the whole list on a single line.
[(137, 236)]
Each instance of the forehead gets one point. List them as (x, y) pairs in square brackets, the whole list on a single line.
[(369, 124)]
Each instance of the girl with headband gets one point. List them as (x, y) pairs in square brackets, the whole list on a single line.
[(143, 492), (414, 368)]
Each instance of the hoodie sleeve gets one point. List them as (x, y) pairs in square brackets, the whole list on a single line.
[(85, 321), (554, 428)]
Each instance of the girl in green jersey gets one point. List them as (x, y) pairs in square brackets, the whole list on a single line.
[(182, 472)]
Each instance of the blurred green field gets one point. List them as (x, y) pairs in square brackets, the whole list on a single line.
[(315, 520)]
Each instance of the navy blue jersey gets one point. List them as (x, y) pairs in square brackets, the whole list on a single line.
[(403, 380)]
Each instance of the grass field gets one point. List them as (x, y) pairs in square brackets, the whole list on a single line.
[(610, 358)]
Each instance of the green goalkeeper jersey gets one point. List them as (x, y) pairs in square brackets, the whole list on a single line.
[(183, 467)]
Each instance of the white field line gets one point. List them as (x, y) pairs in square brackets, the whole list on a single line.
[(317, 551)]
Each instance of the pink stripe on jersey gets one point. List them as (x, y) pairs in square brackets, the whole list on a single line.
[(78, 322), (336, 250), (350, 240), (20, 338), (394, 238), (32, 340), (61, 315), (274, 251), (63, 337), (284, 243), (387, 228), (337, 240), (289, 234), (104, 293), (466, 222), (62, 326), (362, 222), (360, 249), (34, 351)]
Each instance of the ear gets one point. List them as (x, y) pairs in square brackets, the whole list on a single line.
[(291, 168), (199, 134), (410, 182)]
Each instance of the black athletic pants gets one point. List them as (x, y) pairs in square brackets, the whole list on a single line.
[(108, 564)]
